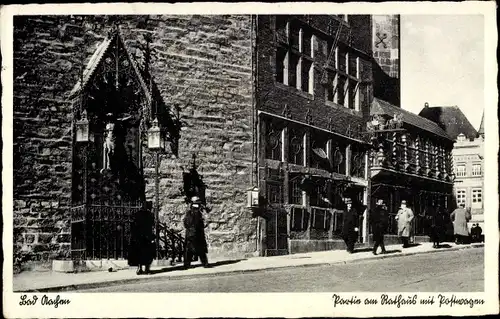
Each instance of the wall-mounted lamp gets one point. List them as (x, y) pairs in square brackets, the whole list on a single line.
[(82, 128), (154, 136), (253, 197)]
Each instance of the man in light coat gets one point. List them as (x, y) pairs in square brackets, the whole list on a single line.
[(405, 222), (460, 217)]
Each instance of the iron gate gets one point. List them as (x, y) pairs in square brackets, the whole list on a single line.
[(101, 231)]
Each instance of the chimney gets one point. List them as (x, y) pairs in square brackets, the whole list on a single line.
[(426, 105)]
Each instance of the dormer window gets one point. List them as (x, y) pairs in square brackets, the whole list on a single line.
[(461, 137)]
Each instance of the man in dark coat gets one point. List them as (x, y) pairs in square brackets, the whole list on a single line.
[(195, 242), (350, 226), (142, 241), (476, 233), (436, 225), (379, 221)]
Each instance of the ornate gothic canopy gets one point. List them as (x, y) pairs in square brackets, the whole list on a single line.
[(112, 87)]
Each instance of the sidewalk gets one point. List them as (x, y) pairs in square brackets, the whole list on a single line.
[(53, 281)]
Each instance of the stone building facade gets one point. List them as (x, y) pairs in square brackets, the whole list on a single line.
[(314, 88), (468, 157), (200, 65)]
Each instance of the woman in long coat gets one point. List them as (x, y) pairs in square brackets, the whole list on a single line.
[(460, 217), (142, 246), (405, 218)]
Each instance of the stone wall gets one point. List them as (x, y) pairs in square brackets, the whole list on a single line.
[(201, 64), (44, 71)]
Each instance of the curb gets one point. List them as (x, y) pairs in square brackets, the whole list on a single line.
[(73, 287)]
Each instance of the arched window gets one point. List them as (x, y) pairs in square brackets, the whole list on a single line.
[(296, 146), (357, 166), (274, 142)]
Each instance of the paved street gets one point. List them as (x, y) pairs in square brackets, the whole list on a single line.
[(457, 271)]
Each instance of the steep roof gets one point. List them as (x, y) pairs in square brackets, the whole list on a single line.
[(451, 119), (481, 127), (97, 57), (385, 108)]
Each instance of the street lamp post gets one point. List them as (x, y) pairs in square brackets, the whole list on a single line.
[(154, 144)]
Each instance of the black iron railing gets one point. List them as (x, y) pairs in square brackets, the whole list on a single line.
[(172, 244)]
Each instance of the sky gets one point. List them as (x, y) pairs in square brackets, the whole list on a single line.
[(442, 63)]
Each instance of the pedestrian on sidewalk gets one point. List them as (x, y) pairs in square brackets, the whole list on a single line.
[(460, 217), (379, 221), (405, 219), (476, 233), (350, 226), (195, 241), (436, 225), (142, 241)]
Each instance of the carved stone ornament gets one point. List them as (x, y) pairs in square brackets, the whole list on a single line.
[(396, 122), (286, 111), (381, 40), (380, 155), (308, 116), (377, 123), (330, 124)]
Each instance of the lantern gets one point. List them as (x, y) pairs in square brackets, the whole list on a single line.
[(82, 128), (253, 197), (154, 136)]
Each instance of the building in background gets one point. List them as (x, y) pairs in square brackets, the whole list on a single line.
[(468, 157)]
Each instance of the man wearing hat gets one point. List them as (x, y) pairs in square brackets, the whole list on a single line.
[(350, 226), (195, 242), (405, 218), (378, 221)]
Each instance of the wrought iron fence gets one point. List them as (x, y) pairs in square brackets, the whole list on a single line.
[(103, 232)]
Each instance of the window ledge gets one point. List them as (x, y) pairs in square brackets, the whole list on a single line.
[(345, 109), (294, 90)]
